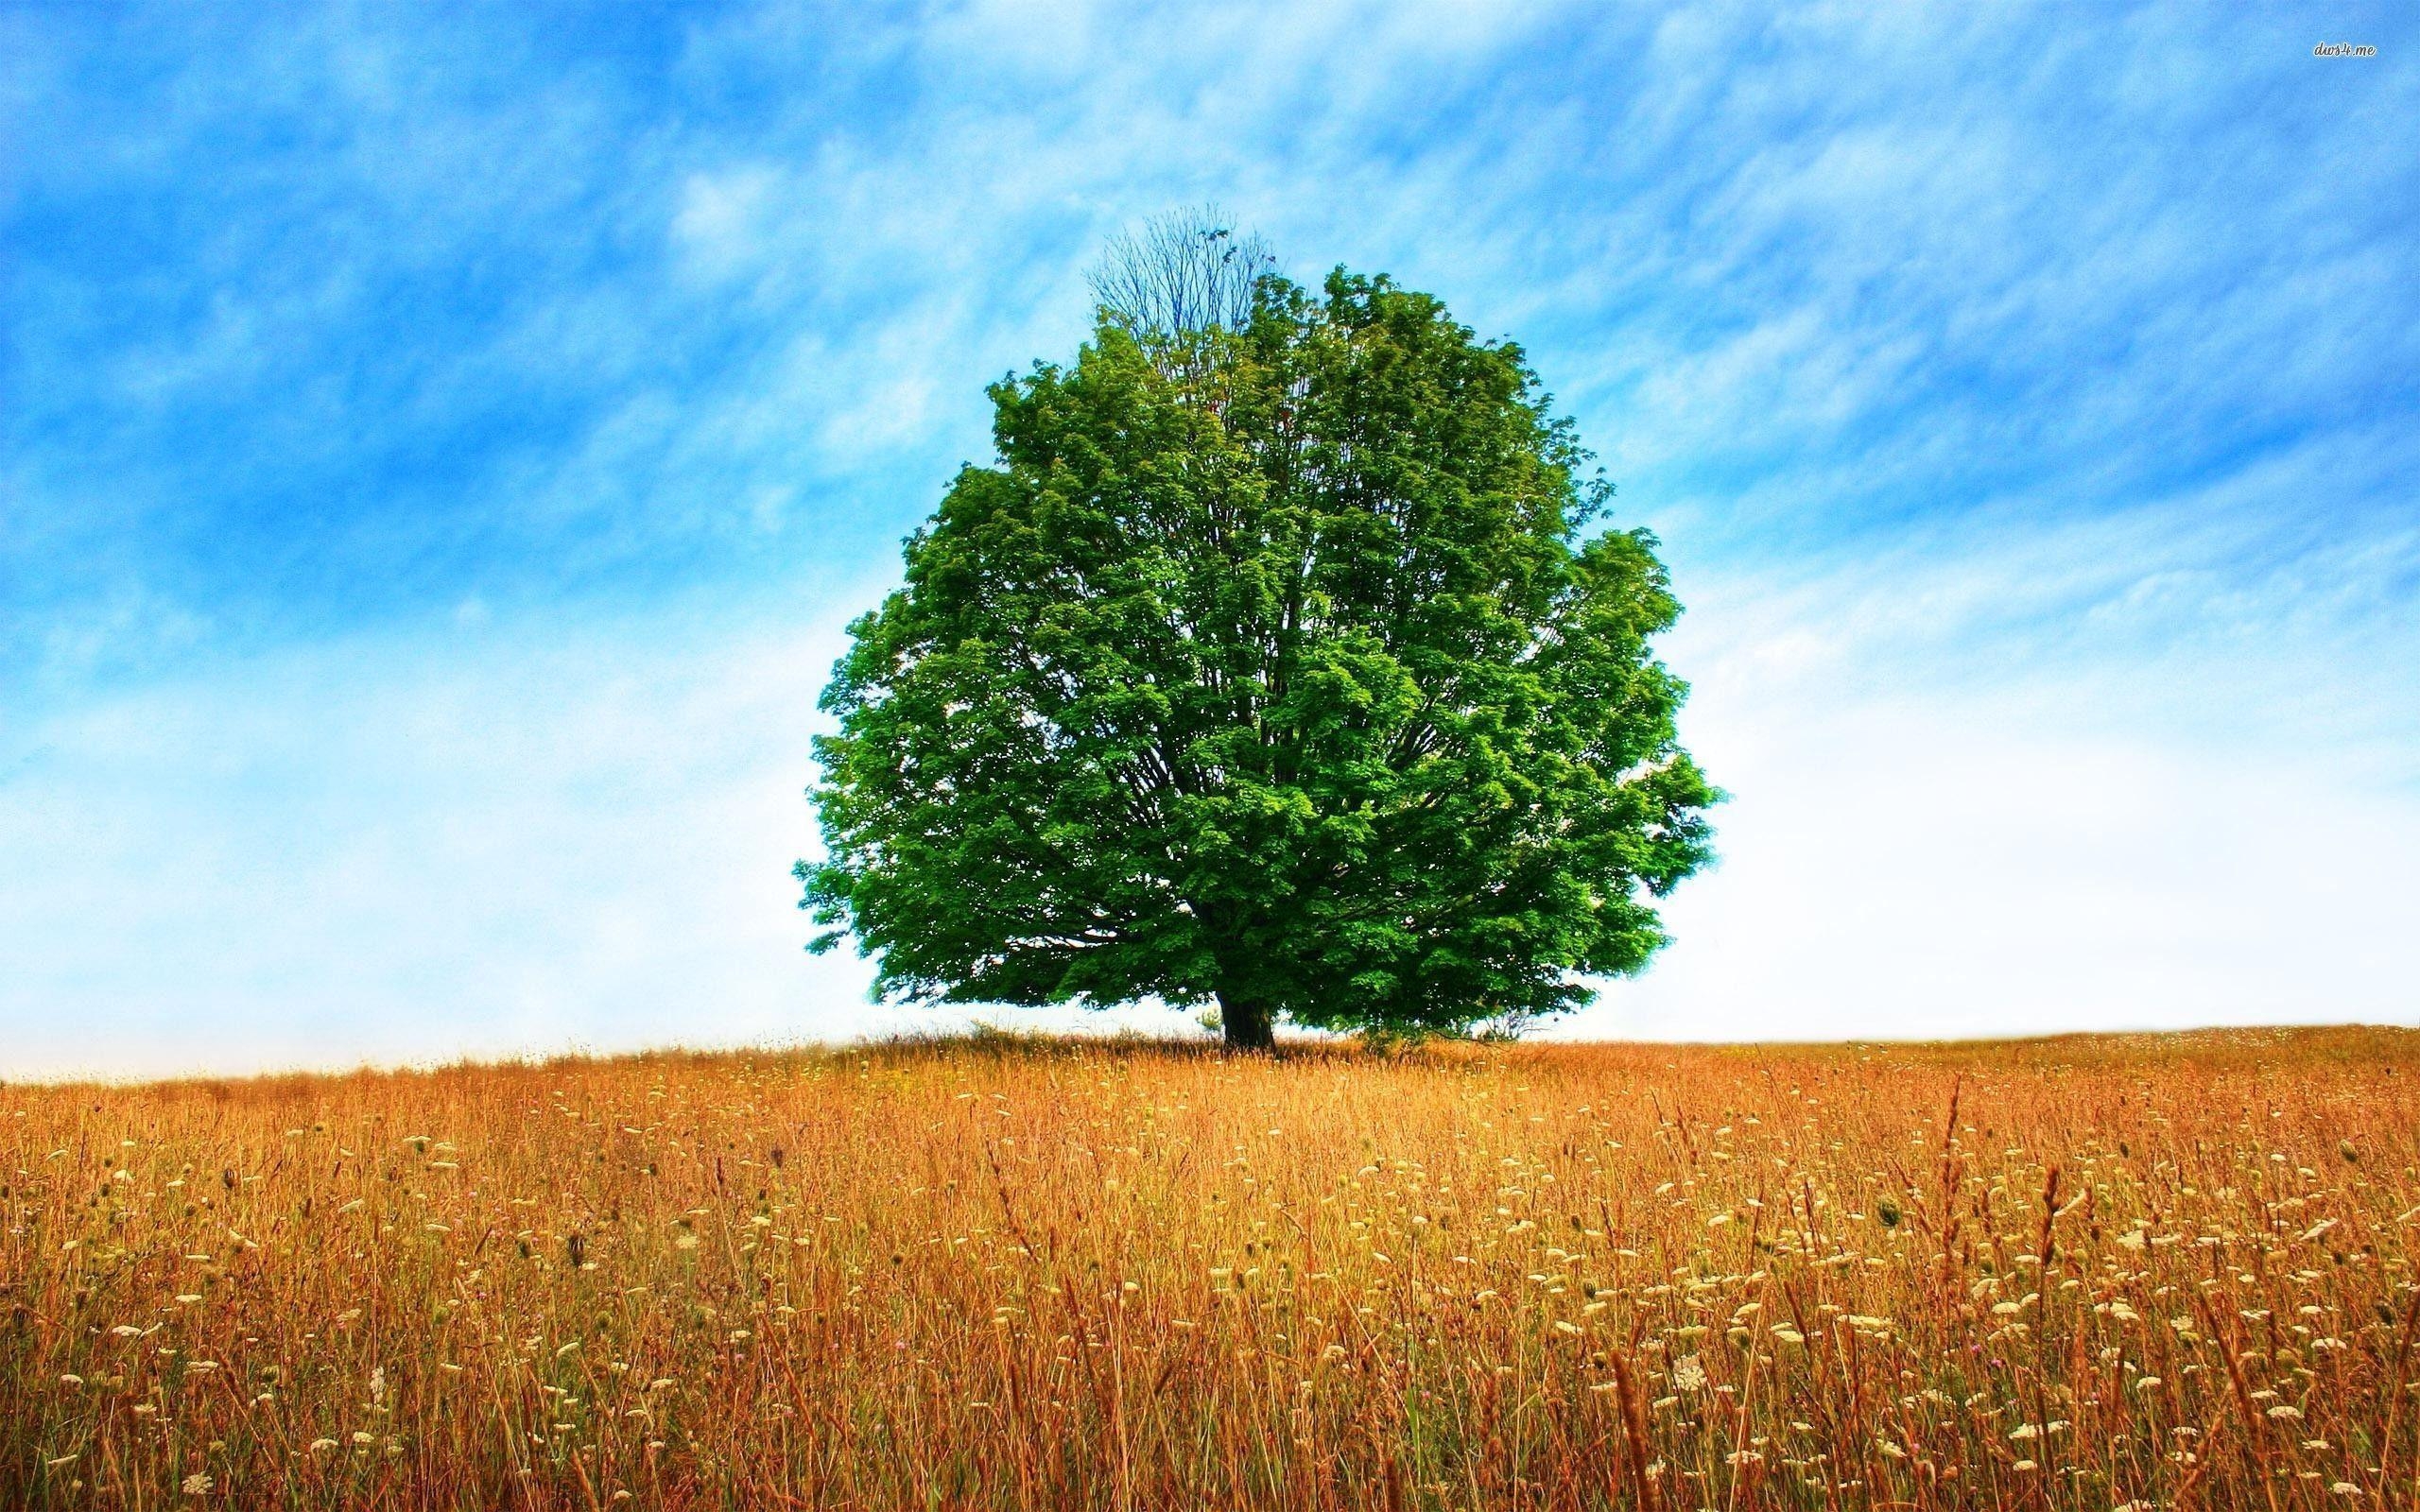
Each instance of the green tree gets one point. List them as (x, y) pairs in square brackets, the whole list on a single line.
[(1278, 665)]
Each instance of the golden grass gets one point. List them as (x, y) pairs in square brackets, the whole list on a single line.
[(2143, 1271)]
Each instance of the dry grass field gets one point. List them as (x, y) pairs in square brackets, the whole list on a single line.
[(2090, 1272)]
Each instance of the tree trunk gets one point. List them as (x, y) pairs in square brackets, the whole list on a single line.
[(1248, 1022)]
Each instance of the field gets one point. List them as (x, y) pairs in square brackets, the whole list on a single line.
[(2090, 1272)]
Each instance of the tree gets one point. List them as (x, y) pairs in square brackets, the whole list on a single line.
[(1276, 663), (1185, 273)]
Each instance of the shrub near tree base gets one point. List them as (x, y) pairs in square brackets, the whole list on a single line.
[(1277, 665)]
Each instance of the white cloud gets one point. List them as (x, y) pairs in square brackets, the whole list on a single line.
[(721, 221), (392, 849), (1968, 864)]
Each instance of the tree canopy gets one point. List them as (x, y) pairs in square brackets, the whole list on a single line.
[(1290, 665)]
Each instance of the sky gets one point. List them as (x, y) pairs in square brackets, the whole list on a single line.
[(442, 446)]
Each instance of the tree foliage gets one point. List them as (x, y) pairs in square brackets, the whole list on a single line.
[(1283, 663)]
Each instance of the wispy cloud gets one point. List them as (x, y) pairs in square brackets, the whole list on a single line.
[(518, 836)]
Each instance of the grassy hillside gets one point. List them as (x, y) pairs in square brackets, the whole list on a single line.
[(2079, 1273)]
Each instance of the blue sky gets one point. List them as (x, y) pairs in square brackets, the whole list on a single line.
[(441, 445)]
